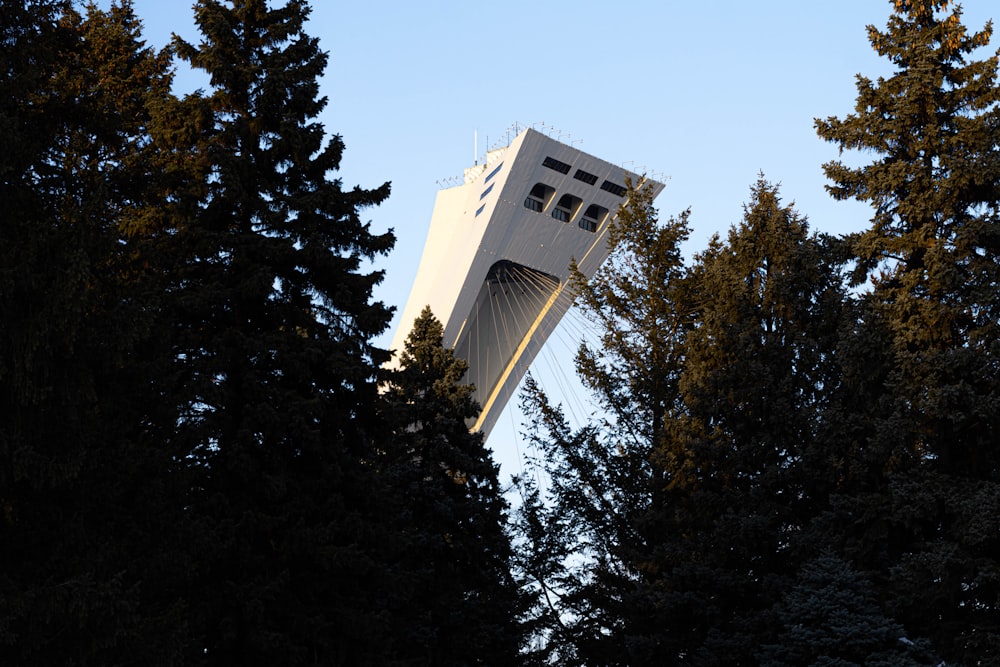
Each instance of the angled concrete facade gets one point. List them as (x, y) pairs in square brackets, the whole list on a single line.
[(496, 260)]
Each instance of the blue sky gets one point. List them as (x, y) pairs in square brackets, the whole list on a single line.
[(707, 93)]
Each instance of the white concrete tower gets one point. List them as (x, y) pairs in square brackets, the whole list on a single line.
[(496, 261)]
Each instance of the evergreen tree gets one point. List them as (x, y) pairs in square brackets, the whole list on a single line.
[(461, 605), (684, 534), (758, 365), (932, 247), (831, 618), (932, 255), (585, 540), (80, 486), (273, 365)]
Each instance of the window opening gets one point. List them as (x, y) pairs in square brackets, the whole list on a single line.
[(493, 173), (567, 206), (538, 197), (558, 165), (593, 217), (613, 188)]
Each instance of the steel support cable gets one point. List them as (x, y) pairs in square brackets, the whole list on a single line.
[(556, 370), (526, 282)]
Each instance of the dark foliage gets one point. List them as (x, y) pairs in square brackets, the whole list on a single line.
[(459, 604), (272, 369), (914, 516), (202, 460), (830, 617), (84, 527), (684, 530)]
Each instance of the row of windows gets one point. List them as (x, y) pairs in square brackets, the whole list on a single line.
[(566, 208), (568, 204), (488, 190), (581, 175)]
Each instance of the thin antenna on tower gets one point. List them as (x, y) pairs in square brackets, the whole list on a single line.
[(475, 143)]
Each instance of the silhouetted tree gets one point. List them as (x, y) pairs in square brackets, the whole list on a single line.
[(83, 519), (680, 511), (584, 534), (758, 367), (932, 256), (462, 605), (273, 376)]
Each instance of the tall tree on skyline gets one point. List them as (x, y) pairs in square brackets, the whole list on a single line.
[(82, 519), (758, 367), (585, 532), (274, 365), (462, 604), (204, 459), (932, 253)]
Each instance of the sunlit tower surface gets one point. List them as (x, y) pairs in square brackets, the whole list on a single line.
[(496, 261)]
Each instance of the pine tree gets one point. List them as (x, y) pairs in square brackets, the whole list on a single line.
[(462, 605), (932, 254), (80, 486), (273, 364)]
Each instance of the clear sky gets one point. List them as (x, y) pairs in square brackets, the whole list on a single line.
[(708, 94)]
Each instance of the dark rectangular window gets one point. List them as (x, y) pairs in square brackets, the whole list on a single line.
[(560, 214), (480, 210), (533, 204), (588, 224), (493, 173), (581, 175), (613, 188), (487, 191), (553, 163)]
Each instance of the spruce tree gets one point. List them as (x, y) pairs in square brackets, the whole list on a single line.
[(931, 250), (83, 517), (461, 605), (682, 509), (830, 617), (931, 254), (758, 364), (586, 538), (273, 362)]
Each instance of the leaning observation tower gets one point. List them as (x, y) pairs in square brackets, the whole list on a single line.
[(496, 261)]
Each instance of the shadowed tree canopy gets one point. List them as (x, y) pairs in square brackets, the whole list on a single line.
[(83, 526), (204, 461), (830, 617), (674, 511), (461, 604), (273, 377), (933, 255)]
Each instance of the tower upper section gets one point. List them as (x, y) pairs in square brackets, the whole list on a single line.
[(496, 261)]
